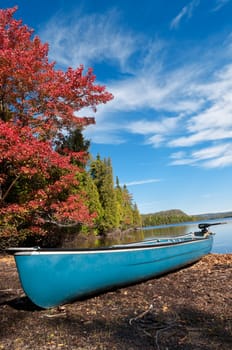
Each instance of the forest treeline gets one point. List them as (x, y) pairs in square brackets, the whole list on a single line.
[(112, 203), (167, 217)]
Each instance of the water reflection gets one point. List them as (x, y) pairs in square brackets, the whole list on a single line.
[(150, 232), (147, 233), (222, 239), (164, 231)]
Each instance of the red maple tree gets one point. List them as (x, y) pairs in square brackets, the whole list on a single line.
[(38, 104)]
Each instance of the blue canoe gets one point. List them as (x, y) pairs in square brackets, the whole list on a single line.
[(52, 277)]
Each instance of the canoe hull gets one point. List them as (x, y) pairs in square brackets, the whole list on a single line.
[(51, 277)]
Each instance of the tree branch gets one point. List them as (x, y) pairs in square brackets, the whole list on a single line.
[(3, 197), (73, 224)]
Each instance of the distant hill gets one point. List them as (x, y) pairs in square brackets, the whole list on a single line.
[(220, 215), (169, 212), (165, 217), (174, 216)]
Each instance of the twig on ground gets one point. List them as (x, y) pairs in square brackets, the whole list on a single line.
[(141, 315)]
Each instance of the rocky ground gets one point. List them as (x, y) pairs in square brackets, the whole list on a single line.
[(190, 309)]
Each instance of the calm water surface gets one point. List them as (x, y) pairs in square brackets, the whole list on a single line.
[(222, 238)]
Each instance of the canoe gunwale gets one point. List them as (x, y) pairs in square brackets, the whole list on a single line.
[(174, 241)]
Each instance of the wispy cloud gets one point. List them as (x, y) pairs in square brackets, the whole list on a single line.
[(214, 121), (186, 12), (160, 126), (156, 131), (220, 4), (209, 157), (78, 39), (142, 182), (182, 106)]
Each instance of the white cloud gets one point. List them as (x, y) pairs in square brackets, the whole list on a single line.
[(156, 140), (156, 130), (181, 158), (222, 161), (209, 157), (212, 152), (146, 127), (214, 121), (162, 90), (170, 103), (219, 116), (79, 39), (186, 11), (142, 182), (210, 134), (201, 109)]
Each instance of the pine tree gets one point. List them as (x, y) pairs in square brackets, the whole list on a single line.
[(87, 185), (119, 202), (137, 221), (128, 212), (127, 207), (102, 175), (74, 141)]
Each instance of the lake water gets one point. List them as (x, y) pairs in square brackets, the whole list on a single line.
[(222, 238)]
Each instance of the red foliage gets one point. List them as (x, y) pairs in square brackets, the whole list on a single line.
[(32, 91), (37, 103), (49, 177)]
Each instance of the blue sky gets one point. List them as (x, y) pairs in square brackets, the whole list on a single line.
[(168, 63)]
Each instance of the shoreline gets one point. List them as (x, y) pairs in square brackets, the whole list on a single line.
[(187, 309)]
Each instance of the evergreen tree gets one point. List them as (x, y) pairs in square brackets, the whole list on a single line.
[(119, 202), (128, 212), (137, 220), (87, 185), (74, 141), (102, 175), (127, 207)]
